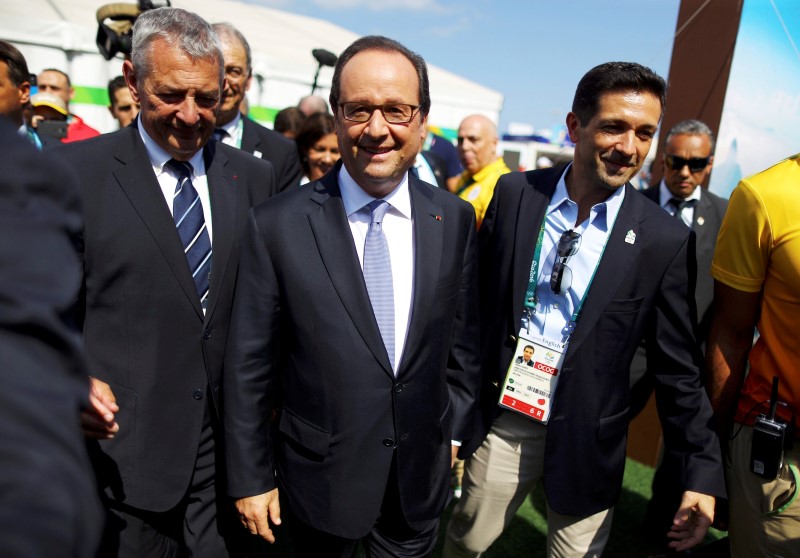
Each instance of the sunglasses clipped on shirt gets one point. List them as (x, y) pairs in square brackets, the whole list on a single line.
[(696, 164), (561, 277)]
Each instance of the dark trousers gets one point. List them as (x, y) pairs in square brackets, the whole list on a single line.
[(390, 537), (191, 529)]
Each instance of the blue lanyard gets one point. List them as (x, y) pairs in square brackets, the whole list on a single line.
[(530, 294)]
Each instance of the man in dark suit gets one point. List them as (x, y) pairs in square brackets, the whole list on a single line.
[(164, 211), (233, 128), (48, 501), (686, 163), (374, 371), (526, 357), (608, 268)]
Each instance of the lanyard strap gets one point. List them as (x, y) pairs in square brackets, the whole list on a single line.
[(533, 278)]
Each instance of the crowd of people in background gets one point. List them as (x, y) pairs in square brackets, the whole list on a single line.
[(340, 323)]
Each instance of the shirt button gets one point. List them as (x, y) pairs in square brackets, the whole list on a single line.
[(388, 442), (555, 305), (197, 394)]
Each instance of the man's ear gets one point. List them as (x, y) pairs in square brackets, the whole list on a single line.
[(129, 73), (573, 124)]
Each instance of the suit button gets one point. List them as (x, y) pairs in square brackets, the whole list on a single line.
[(388, 442), (398, 388), (207, 334), (197, 394), (512, 339), (403, 437)]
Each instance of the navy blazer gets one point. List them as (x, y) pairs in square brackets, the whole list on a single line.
[(143, 326), (304, 339), (708, 214), (641, 289), (273, 147)]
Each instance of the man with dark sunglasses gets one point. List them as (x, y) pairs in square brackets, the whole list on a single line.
[(687, 161), (573, 261)]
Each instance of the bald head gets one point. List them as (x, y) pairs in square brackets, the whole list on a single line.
[(477, 142)]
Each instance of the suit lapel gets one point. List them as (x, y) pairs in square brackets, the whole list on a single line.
[(250, 141), (428, 239), (335, 244), (136, 178), (533, 203), (701, 225), (616, 261), (222, 193)]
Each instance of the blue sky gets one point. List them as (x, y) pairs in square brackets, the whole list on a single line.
[(532, 51)]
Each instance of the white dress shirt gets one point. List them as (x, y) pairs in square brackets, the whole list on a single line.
[(687, 214), (398, 227), (234, 128), (167, 180), (554, 311)]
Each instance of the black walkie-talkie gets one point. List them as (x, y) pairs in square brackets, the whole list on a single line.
[(766, 452)]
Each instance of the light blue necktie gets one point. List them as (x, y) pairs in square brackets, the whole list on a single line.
[(378, 275), (187, 210)]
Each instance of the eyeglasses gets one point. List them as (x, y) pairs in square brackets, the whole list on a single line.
[(561, 277), (393, 113), (696, 164)]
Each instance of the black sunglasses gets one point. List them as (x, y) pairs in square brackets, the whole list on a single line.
[(561, 277), (696, 164)]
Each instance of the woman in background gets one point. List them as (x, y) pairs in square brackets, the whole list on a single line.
[(317, 146)]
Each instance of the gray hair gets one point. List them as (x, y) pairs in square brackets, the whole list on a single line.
[(228, 31), (178, 28), (692, 127)]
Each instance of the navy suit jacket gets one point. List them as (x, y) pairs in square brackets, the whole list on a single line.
[(641, 289), (304, 339), (143, 327), (276, 149), (48, 500), (708, 214)]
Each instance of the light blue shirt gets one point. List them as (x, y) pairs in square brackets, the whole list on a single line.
[(554, 312)]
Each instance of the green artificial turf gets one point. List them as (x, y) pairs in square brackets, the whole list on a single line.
[(526, 536)]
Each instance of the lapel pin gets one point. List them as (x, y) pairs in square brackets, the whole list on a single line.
[(630, 237), (438, 217), (700, 220), (258, 154)]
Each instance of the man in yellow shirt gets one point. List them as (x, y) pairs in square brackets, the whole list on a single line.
[(477, 149), (756, 268)]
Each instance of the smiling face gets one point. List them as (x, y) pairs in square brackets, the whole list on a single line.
[(179, 99), (237, 77), (682, 182), (322, 156), (611, 148), (375, 153)]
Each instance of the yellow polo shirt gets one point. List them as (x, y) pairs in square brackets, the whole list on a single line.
[(479, 189)]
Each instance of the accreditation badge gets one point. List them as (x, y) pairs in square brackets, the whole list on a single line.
[(532, 377)]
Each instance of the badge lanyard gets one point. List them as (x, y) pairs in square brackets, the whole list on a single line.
[(530, 385)]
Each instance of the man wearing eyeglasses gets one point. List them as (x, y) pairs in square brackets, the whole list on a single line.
[(356, 316), (687, 161), (574, 260)]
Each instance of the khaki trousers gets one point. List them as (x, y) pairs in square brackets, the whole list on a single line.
[(764, 515), (503, 471)]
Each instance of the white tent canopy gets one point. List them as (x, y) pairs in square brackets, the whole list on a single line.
[(61, 34)]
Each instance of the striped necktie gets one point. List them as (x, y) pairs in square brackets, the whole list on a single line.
[(188, 213), (378, 274)]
